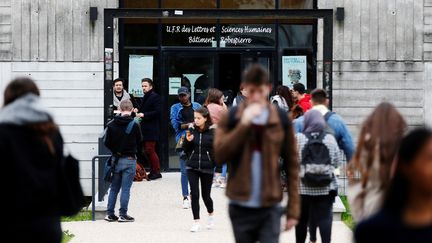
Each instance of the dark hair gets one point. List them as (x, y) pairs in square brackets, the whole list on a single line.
[(319, 96), (206, 114), (299, 87), (398, 192), (148, 80), (255, 74), (383, 129), (296, 112), (213, 96), (285, 92), (19, 87), (118, 80)]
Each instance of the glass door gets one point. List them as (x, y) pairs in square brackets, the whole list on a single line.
[(195, 71)]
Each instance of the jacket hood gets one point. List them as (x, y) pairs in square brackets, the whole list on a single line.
[(27, 109), (120, 120)]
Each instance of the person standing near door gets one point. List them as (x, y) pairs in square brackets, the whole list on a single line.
[(119, 94), (252, 137), (182, 116), (150, 111)]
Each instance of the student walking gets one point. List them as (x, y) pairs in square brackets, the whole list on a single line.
[(375, 159), (338, 127), (319, 156), (182, 116), (32, 160), (216, 106), (124, 147), (406, 215), (200, 164), (301, 97), (150, 112), (283, 98), (252, 137)]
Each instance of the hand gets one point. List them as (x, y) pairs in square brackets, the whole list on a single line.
[(189, 136), (141, 115), (290, 223), (191, 125), (250, 113), (135, 110)]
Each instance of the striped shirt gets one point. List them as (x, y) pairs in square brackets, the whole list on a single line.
[(337, 160)]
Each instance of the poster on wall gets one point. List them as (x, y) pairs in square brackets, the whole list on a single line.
[(174, 84), (294, 70), (140, 66)]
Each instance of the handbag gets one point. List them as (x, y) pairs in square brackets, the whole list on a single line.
[(111, 163), (71, 193), (140, 173)]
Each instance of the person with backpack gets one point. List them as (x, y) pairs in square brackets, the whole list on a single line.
[(123, 138), (252, 137), (200, 164), (319, 156), (283, 98), (336, 125)]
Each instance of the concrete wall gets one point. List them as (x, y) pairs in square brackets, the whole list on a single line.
[(379, 53)]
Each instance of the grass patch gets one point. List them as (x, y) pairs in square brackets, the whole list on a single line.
[(67, 236), (81, 216), (347, 217)]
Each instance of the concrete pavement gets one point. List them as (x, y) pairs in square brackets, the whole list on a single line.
[(156, 206)]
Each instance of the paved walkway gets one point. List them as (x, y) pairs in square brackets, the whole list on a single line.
[(156, 206)]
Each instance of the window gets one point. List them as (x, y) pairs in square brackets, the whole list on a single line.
[(140, 4), (295, 36), (297, 4), (248, 4), (189, 4)]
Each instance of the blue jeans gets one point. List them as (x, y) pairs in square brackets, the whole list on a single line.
[(183, 176), (224, 171), (123, 178)]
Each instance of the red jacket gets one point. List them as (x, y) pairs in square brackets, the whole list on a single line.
[(305, 103)]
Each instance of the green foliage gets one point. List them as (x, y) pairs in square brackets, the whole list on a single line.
[(347, 217), (81, 216), (67, 236)]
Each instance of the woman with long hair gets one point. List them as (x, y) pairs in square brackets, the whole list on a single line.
[(216, 106), (200, 164), (406, 215), (32, 150), (283, 98), (379, 140)]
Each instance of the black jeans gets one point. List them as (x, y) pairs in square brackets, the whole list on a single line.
[(251, 225), (315, 211), (194, 177)]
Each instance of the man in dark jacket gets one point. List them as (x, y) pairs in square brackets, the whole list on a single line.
[(150, 112), (125, 147), (253, 137)]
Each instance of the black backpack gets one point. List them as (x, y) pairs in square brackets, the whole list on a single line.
[(316, 161)]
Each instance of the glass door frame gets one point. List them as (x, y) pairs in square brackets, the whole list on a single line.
[(164, 87)]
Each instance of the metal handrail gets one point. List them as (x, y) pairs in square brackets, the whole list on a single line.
[(94, 183)]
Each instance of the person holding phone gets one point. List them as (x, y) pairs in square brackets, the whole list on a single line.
[(200, 164)]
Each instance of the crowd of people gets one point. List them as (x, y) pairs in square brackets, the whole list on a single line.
[(257, 148)]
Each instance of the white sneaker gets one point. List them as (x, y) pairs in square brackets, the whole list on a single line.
[(195, 227), (210, 222), (216, 183), (186, 203), (222, 185)]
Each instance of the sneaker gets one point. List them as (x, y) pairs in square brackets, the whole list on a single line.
[(222, 182), (125, 218), (186, 203), (154, 176), (111, 218), (216, 182), (195, 227), (210, 222)]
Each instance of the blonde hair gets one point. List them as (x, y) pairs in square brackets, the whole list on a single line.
[(126, 105)]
